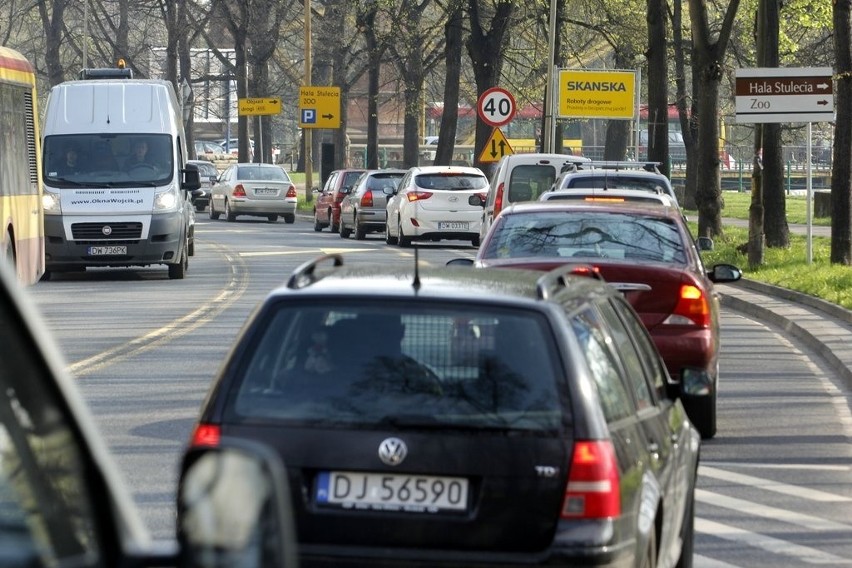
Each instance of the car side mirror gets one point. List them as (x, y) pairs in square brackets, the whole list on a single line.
[(724, 273), (234, 507), (191, 178)]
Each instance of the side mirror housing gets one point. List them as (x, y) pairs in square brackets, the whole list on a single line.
[(234, 508), (724, 273), (191, 178)]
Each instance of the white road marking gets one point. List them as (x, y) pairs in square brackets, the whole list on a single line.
[(740, 505), (774, 545), (769, 485), (303, 251), (699, 561), (787, 466)]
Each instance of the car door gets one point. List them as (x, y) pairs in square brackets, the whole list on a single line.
[(326, 198)]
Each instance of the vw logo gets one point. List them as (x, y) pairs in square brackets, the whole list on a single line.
[(392, 451), (106, 230)]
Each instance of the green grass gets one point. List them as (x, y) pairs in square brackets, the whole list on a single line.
[(786, 267)]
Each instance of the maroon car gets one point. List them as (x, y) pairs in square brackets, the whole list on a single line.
[(648, 253), (327, 202)]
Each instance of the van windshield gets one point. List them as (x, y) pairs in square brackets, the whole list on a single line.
[(119, 160)]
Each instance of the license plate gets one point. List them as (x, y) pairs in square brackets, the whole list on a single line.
[(453, 225), (265, 191), (101, 251), (392, 492)]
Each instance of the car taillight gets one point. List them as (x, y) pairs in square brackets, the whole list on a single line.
[(206, 435), (498, 200), (239, 191), (418, 195), (292, 191), (692, 308), (367, 199), (593, 490)]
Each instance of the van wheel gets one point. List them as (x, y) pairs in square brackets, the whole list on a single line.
[(229, 215), (178, 271), (289, 218), (213, 213)]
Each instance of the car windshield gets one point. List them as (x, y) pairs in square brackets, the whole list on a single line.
[(586, 233), (115, 160), (362, 365), (450, 181), (261, 173)]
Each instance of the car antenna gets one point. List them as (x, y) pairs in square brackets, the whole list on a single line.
[(416, 283)]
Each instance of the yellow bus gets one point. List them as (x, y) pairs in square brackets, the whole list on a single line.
[(22, 232)]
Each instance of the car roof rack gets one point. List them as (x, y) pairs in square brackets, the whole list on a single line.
[(555, 280), (304, 276), (652, 167)]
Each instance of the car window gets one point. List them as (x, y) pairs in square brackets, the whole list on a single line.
[(356, 364), (631, 359), (587, 233), (45, 514), (654, 366), (260, 173), (451, 181), (594, 343), (329, 183), (349, 179), (529, 181)]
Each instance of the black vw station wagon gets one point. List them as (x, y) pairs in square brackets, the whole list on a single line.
[(451, 417)]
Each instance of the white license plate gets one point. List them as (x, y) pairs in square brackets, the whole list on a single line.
[(453, 225), (101, 251), (265, 191), (392, 492)]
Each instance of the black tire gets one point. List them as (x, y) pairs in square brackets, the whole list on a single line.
[(272, 218), (212, 213), (389, 239), (178, 270), (289, 218), (344, 230), (46, 275), (402, 240), (360, 232), (229, 215), (199, 207), (702, 414), (334, 227), (317, 225), (191, 247)]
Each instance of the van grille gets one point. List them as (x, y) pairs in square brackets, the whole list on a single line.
[(95, 231)]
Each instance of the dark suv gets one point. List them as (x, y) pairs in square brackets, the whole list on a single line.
[(458, 417), (327, 202)]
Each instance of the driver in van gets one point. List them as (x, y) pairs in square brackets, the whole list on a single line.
[(139, 157)]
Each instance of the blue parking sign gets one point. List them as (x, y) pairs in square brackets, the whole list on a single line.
[(309, 116)]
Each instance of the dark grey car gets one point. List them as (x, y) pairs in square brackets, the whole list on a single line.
[(363, 209), (459, 417)]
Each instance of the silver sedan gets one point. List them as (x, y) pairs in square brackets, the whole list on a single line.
[(261, 190)]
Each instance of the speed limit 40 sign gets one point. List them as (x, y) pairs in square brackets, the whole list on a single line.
[(496, 106)]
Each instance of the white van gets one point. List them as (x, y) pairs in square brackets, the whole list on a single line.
[(115, 176), (522, 177)]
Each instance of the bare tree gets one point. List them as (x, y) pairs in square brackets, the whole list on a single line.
[(841, 173), (453, 32), (658, 84)]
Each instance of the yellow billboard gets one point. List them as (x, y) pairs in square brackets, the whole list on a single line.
[(597, 94)]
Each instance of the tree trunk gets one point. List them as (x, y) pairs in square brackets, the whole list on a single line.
[(658, 85), (450, 115), (52, 23), (374, 66), (841, 172)]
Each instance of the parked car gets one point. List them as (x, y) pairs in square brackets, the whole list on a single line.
[(208, 175), (555, 437), (522, 177), (646, 252), (261, 190), (363, 208), (327, 202), (206, 150), (433, 203), (64, 500), (605, 176)]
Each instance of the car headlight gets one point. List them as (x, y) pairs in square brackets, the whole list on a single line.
[(50, 203), (166, 201)]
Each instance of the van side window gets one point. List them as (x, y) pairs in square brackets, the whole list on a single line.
[(45, 513)]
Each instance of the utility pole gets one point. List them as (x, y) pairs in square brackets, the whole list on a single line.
[(306, 132)]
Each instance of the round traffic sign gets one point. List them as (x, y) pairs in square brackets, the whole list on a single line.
[(496, 106)]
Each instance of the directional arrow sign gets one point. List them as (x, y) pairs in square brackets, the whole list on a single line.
[(495, 148), (266, 105), (319, 107), (785, 94)]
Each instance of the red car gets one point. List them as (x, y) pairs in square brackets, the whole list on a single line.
[(648, 253), (327, 202)]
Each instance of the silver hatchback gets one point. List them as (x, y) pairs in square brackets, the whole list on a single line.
[(261, 190), (363, 207)]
